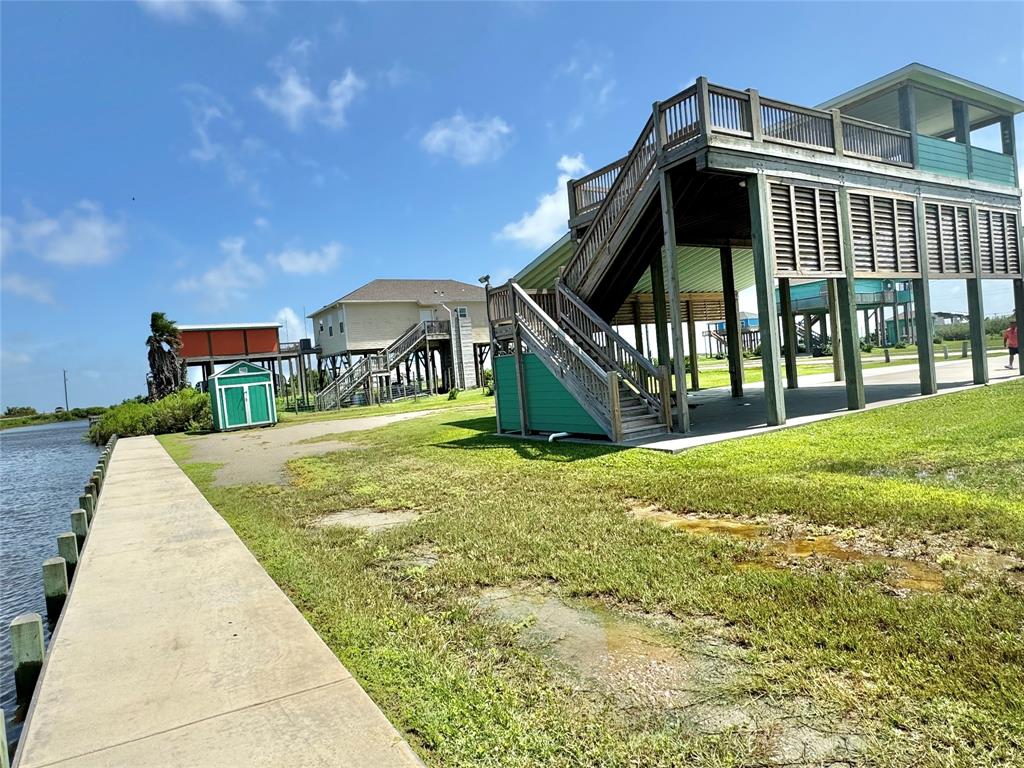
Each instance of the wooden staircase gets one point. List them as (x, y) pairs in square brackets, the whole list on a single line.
[(340, 391)]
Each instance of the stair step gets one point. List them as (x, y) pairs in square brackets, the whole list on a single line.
[(641, 434), (635, 422)]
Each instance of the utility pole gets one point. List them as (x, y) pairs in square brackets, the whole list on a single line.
[(66, 407)]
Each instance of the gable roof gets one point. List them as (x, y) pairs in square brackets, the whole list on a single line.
[(428, 292), (245, 365)]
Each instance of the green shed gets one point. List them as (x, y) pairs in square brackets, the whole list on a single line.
[(242, 395)]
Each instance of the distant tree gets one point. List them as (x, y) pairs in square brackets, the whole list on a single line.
[(20, 410), (166, 372)]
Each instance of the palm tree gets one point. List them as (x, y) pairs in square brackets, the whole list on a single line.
[(166, 372)]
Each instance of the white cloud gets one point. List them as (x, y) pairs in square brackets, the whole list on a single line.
[(397, 75), (294, 98), (260, 223), (230, 11), (548, 221), (20, 285), (589, 73), (8, 358), (469, 142), (79, 236), (295, 261), (291, 325), (220, 141), (228, 282)]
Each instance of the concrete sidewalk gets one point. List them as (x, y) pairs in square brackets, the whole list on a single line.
[(718, 416), (177, 649)]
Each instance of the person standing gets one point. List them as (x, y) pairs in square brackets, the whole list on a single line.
[(1010, 341)]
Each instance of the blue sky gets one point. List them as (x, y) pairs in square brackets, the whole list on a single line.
[(225, 162)]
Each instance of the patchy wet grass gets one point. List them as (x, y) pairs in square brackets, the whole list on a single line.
[(816, 658)]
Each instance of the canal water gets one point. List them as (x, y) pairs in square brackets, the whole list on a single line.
[(42, 472)]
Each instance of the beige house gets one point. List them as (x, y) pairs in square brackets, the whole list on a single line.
[(439, 324)]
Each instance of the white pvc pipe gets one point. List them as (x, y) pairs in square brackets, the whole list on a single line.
[(557, 436)]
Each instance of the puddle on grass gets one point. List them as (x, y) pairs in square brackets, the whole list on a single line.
[(369, 520), (639, 666), (910, 574)]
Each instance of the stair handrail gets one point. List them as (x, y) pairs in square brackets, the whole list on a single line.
[(410, 338), (594, 388), (646, 378), (343, 385), (639, 165)]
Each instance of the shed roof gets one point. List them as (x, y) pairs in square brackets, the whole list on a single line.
[(420, 291), (935, 78), (226, 326), (244, 364)]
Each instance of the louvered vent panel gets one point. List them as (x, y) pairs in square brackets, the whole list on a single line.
[(884, 234), (860, 224), (805, 201), (965, 247), (985, 255), (828, 212), (999, 266), (1013, 261), (783, 244), (932, 241), (906, 227), (948, 237)]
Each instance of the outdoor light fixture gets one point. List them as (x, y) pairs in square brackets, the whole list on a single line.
[(484, 279)]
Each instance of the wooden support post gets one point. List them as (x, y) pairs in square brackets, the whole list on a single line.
[(846, 293), (774, 399), (976, 304), (837, 343), (923, 330), (734, 347), (5, 760), (691, 333), (85, 502), (80, 527), (668, 257), (962, 134), (788, 332), (517, 350), (67, 547), (660, 311), (27, 653), (55, 586), (908, 117)]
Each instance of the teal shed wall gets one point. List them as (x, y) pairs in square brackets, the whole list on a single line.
[(549, 406)]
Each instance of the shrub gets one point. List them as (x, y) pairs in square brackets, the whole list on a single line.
[(866, 346), (488, 382), (186, 410), (20, 410), (453, 393)]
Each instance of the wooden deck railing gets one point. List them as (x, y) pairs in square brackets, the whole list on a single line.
[(705, 109), (594, 388), (650, 382)]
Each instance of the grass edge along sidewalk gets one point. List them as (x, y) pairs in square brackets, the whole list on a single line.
[(921, 678)]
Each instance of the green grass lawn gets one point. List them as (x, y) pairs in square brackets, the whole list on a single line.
[(923, 679), (430, 402)]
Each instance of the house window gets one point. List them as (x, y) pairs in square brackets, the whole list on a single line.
[(462, 312), (330, 325), (341, 327)]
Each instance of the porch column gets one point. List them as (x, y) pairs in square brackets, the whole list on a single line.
[(660, 311), (837, 342), (788, 332), (924, 331), (976, 308), (734, 347), (1018, 302), (691, 332), (668, 224), (846, 290), (768, 316)]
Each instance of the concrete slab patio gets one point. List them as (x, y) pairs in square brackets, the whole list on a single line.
[(177, 649), (718, 416)]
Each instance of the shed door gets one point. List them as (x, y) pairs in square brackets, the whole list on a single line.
[(259, 403), (234, 406)]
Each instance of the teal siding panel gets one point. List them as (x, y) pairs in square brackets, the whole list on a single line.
[(549, 406), (939, 156), (992, 166), (507, 393)]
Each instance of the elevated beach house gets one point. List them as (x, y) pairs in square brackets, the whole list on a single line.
[(392, 335), (910, 178)]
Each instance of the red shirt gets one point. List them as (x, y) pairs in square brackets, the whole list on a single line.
[(1010, 337)]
